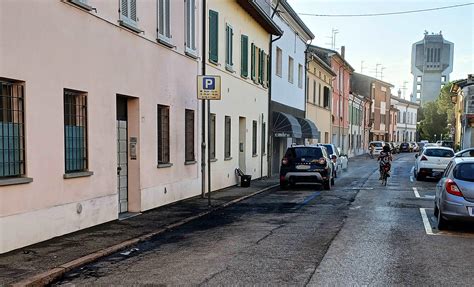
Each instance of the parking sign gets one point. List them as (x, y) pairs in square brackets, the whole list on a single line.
[(209, 87)]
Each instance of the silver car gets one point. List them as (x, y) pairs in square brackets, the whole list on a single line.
[(454, 198)]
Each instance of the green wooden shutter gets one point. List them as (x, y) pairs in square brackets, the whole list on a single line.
[(260, 66), (269, 69), (231, 47), (252, 64), (213, 36), (244, 65)]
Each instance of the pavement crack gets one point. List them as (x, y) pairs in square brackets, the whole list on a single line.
[(269, 234), (208, 279)]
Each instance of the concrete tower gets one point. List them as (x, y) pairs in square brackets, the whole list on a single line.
[(431, 64)]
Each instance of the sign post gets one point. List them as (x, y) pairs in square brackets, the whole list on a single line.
[(209, 88)]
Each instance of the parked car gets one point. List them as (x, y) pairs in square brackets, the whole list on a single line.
[(344, 159), (445, 143), (405, 147), (393, 148), (310, 164), (341, 160), (469, 152), (421, 145), (432, 161), (454, 199), (415, 147), (378, 146)]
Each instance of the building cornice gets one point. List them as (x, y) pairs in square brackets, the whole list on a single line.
[(254, 10)]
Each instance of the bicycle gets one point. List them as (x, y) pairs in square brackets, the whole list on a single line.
[(384, 175)]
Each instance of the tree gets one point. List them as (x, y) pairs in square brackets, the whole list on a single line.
[(434, 122), (445, 105)]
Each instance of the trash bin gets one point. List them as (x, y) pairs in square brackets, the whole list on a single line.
[(245, 180)]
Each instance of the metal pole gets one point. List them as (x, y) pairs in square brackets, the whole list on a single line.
[(203, 126), (209, 153)]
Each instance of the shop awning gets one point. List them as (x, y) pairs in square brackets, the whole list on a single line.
[(286, 126), (309, 129)]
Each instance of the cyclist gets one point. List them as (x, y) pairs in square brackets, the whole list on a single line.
[(385, 158)]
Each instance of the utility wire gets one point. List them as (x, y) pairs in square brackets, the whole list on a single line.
[(385, 14)]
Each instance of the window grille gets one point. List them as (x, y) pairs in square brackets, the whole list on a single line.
[(163, 134), (75, 131), (189, 135), (12, 130)]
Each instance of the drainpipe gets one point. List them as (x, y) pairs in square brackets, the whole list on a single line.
[(203, 108), (270, 116), (306, 68)]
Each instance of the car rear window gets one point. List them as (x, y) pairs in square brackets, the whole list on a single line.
[(308, 152), (464, 171), (377, 144), (329, 148), (439, 153)]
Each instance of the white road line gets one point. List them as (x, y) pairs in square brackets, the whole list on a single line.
[(415, 190), (426, 222)]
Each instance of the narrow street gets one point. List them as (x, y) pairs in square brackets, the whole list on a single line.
[(357, 233)]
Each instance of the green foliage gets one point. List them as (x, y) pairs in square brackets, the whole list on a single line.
[(434, 117)]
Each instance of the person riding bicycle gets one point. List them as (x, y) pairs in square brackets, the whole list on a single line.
[(385, 158)]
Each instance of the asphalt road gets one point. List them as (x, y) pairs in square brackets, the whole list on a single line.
[(358, 233)]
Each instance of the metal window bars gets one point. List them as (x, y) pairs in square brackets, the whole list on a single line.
[(75, 131)]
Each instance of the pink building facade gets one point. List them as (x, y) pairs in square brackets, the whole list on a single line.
[(99, 115)]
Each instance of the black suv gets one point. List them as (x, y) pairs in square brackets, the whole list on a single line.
[(306, 164), (405, 147)]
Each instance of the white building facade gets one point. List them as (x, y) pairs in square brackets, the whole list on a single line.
[(405, 130)]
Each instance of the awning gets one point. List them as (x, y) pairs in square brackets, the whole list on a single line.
[(309, 129), (286, 126)]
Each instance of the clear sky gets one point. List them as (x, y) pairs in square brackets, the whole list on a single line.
[(388, 39)]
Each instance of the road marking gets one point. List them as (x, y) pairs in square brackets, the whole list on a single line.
[(415, 190), (426, 222)]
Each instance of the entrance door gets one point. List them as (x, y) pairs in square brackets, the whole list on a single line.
[(122, 154), (242, 141)]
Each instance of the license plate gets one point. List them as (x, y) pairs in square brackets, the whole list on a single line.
[(302, 166), (471, 211), (438, 170)]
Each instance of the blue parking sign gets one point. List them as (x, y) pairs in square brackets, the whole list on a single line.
[(208, 83)]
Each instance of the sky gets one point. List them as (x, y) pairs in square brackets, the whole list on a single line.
[(388, 40)]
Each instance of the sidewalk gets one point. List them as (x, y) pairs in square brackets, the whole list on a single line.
[(39, 263)]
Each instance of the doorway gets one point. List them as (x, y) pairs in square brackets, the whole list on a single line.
[(242, 143), (122, 154)]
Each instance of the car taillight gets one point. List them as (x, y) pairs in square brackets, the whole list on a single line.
[(452, 188), (322, 160), (284, 161), (423, 158)]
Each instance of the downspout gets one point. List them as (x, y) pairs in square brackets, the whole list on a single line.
[(306, 68), (203, 108), (270, 116)]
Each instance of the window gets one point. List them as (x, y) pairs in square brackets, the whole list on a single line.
[(443, 79), (418, 78), (253, 62), (300, 76), (12, 129), (212, 142), (404, 117), (190, 27), (213, 36), (163, 134), (164, 34), (319, 94), (227, 123), (326, 97), (229, 32), (254, 138), (290, 69), (314, 92), (189, 136), (278, 62), (263, 138), (128, 14), (244, 65), (418, 87), (84, 4), (75, 131), (261, 56)]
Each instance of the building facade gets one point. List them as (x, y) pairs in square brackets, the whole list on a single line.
[(239, 121), (287, 106), (463, 100), (357, 124), (95, 105), (431, 64), (406, 114), (319, 95), (380, 99)]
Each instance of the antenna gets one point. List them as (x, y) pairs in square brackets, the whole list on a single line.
[(333, 38), (377, 70), (381, 72)]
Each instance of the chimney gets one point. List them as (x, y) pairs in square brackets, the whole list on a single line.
[(343, 51)]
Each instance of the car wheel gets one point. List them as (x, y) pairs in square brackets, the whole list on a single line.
[(442, 223), (327, 185)]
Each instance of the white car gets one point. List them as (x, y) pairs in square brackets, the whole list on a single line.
[(341, 159), (378, 146), (432, 161)]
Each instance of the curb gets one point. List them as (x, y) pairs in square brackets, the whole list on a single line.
[(53, 274)]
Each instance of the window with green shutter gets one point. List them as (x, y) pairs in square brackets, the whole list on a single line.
[(252, 64), (244, 65), (229, 43), (260, 66), (213, 36)]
